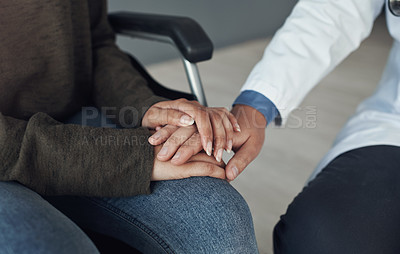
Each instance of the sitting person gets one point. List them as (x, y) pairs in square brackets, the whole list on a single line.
[(58, 176)]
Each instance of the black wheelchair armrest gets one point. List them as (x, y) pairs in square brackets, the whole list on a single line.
[(190, 39)]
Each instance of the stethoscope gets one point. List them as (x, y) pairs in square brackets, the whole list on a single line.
[(394, 7)]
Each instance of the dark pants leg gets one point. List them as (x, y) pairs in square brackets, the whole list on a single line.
[(352, 206)]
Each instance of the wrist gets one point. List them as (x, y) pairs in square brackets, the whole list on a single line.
[(250, 115), (259, 102)]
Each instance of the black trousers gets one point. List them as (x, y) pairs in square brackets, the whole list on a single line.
[(352, 206)]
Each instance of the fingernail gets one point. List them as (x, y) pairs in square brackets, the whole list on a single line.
[(163, 152), (237, 127), (204, 141), (219, 155), (235, 171), (186, 120), (156, 136), (177, 155), (209, 148), (229, 146)]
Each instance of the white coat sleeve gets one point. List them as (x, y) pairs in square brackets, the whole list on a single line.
[(315, 38)]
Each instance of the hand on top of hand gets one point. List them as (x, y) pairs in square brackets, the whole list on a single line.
[(213, 126), (183, 141), (198, 165)]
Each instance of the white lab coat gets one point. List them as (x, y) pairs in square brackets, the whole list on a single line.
[(315, 38)]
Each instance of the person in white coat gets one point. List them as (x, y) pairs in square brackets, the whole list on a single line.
[(351, 203)]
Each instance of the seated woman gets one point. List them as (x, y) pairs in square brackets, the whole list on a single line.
[(57, 57)]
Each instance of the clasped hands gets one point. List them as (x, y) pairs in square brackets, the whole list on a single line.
[(189, 139)]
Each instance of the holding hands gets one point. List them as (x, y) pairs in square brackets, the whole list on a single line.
[(186, 128), (214, 128)]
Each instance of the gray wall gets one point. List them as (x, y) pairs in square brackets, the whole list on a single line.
[(226, 22)]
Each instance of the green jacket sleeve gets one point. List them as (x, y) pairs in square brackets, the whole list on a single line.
[(116, 83), (53, 158)]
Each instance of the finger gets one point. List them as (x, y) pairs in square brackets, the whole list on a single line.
[(228, 132), (204, 127), (204, 169), (157, 116), (191, 147), (199, 114), (178, 138), (203, 157), (234, 122), (219, 134), (242, 158), (162, 134)]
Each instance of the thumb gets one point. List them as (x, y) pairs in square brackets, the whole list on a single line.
[(242, 158), (197, 168), (162, 116)]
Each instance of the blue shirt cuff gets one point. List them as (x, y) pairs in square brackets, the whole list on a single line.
[(260, 102)]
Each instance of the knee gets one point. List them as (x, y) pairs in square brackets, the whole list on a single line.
[(317, 224), (226, 217), (218, 202), (306, 229), (215, 215)]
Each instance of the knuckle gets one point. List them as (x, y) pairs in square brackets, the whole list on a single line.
[(169, 130), (202, 110), (195, 103), (204, 113), (182, 100), (175, 140), (186, 149), (219, 140), (213, 115), (218, 125), (194, 140), (222, 111), (198, 111), (243, 161)]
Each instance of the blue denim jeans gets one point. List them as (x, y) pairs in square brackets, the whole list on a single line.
[(195, 215)]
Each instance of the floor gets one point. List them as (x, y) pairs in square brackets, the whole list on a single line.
[(290, 153)]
